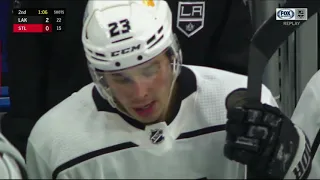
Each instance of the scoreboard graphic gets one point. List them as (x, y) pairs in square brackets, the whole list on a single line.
[(29, 20), (38, 20)]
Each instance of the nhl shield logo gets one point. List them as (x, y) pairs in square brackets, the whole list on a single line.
[(156, 136), (190, 17)]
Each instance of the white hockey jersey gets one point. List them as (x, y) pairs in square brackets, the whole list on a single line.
[(307, 117), (12, 165), (85, 138)]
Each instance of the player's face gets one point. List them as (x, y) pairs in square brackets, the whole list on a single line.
[(143, 91)]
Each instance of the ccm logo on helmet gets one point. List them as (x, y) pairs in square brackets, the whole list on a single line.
[(125, 51), (286, 14)]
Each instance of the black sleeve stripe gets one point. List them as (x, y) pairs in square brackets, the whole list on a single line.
[(91, 155), (203, 131), (315, 145)]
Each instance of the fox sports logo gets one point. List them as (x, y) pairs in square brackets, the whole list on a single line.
[(285, 14)]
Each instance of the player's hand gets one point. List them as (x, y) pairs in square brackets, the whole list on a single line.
[(260, 136)]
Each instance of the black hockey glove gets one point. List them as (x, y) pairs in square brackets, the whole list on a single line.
[(263, 138)]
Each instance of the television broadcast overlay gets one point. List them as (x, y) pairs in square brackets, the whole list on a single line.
[(291, 16), (38, 20)]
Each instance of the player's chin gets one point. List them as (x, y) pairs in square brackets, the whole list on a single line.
[(149, 121)]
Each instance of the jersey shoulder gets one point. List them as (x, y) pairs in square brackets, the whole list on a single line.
[(71, 110), (227, 78), (59, 132), (213, 86), (73, 128), (221, 83)]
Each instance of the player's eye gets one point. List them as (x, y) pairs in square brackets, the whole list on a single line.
[(151, 70), (121, 80)]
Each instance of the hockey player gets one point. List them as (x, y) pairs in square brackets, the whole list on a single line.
[(12, 165), (307, 115), (147, 116)]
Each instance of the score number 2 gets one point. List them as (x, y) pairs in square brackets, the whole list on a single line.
[(58, 20)]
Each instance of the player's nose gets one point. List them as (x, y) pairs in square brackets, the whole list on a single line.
[(140, 89)]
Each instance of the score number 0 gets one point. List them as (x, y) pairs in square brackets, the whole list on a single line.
[(47, 28)]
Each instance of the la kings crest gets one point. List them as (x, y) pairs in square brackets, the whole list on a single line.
[(190, 17)]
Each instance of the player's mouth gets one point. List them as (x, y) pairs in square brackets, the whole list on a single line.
[(145, 110)]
